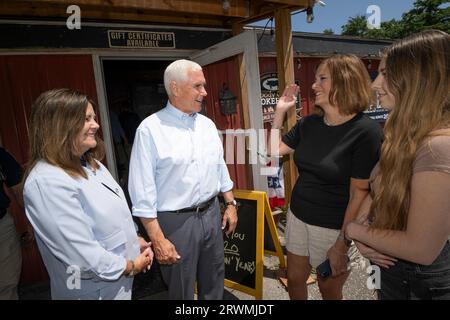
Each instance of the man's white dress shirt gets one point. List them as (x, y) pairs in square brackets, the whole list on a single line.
[(176, 162)]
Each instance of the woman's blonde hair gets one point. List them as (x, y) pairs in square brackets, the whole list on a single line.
[(350, 84), (417, 74), (57, 117)]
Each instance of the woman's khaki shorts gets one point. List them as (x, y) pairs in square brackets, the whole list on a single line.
[(303, 239)]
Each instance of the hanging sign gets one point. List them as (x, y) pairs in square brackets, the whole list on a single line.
[(270, 96)]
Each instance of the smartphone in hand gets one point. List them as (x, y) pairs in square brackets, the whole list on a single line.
[(324, 269)]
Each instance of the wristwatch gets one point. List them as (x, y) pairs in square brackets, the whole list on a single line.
[(231, 203)]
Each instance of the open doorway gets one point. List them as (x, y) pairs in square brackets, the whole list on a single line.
[(134, 90)]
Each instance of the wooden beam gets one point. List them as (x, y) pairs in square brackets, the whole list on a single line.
[(296, 3), (285, 69), (89, 14), (263, 9), (238, 8), (177, 12)]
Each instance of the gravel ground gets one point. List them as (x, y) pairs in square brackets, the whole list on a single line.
[(354, 288), (273, 289)]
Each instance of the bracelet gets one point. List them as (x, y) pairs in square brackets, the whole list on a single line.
[(133, 271)]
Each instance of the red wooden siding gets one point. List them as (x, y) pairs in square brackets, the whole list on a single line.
[(216, 75), (22, 79)]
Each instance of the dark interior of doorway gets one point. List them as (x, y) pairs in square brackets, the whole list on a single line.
[(135, 90)]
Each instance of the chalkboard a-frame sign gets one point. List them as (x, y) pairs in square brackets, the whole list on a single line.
[(244, 248)]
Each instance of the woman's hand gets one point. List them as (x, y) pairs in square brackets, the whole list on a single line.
[(143, 244), (338, 260), (288, 98), (143, 262), (376, 257), (373, 255)]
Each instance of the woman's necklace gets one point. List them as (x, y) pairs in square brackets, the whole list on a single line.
[(336, 122), (326, 121)]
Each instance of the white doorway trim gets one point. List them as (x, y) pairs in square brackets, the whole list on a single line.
[(245, 43)]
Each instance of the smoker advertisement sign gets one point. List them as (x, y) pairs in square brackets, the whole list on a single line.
[(270, 96)]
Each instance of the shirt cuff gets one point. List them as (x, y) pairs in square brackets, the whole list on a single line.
[(227, 187), (142, 213)]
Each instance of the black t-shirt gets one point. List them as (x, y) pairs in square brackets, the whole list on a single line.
[(326, 158), (10, 175)]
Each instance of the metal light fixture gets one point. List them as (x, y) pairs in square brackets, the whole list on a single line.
[(226, 5), (309, 15), (227, 101), (323, 4)]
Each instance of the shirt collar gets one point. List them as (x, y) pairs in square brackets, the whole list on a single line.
[(178, 113)]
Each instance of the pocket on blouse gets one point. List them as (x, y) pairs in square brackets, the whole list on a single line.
[(115, 242)]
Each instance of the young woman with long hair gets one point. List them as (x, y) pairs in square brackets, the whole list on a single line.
[(405, 229)]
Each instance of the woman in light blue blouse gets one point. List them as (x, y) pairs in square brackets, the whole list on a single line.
[(83, 226)]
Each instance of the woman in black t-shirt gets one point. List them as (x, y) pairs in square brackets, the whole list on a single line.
[(334, 150)]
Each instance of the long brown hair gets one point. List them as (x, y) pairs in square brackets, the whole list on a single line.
[(417, 74), (350, 84), (57, 117)]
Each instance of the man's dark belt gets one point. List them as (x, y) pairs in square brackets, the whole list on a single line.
[(200, 208), (3, 212)]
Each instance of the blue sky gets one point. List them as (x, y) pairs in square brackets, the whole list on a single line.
[(337, 12)]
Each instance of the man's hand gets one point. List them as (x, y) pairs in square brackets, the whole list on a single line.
[(229, 218), (165, 251)]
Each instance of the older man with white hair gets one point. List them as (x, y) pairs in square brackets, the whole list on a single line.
[(176, 172)]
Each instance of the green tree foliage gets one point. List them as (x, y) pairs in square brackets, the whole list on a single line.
[(356, 26), (328, 31), (426, 14)]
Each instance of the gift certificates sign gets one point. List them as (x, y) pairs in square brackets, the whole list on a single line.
[(141, 39)]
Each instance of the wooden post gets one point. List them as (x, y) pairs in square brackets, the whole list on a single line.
[(285, 69), (237, 29)]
